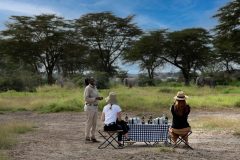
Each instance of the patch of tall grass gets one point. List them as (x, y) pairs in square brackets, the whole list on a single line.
[(218, 123), (3, 156), (143, 99), (9, 130), (8, 133), (62, 105)]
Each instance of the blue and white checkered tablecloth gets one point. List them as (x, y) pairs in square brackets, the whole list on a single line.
[(148, 132)]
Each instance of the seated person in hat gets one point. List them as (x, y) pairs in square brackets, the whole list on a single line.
[(180, 111), (111, 116)]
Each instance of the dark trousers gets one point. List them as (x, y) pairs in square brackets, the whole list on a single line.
[(120, 125)]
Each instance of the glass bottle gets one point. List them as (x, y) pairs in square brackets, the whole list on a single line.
[(150, 120), (165, 119), (126, 118), (143, 119)]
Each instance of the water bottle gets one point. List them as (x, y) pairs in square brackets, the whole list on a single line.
[(143, 120), (126, 118), (150, 120), (164, 119)]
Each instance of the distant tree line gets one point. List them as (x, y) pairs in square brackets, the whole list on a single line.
[(48, 44)]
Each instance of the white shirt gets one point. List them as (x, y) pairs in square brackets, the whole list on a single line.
[(111, 114)]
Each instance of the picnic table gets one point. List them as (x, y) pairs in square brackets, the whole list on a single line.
[(149, 133)]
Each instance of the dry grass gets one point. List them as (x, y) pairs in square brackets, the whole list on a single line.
[(3, 156), (230, 124), (9, 130)]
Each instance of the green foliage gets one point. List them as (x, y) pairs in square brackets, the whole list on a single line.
[(15, 75), (40, 40), (20, 81), (142, 99), (78, 80), (147, 51), (228, 33), (237, 104), (235, 83), (102, 79), (228, 17), (108, 36), (143, 80), (189, 50)]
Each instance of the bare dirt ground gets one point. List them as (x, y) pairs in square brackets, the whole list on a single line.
[(60, 136)]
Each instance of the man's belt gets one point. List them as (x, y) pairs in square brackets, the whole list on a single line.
[(91, 104)]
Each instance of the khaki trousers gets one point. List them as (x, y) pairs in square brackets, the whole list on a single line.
[(175, 133), (91, 122)]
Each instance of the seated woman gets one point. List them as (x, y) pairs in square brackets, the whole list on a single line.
[(111, 116), (180, 111)]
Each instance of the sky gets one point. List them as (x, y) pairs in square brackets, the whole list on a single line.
[(149, 14)]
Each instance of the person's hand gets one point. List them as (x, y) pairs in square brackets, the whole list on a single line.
[(99, 98)]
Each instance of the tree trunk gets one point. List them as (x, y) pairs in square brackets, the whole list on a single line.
[(50, 77), (186, 76), (150, 76)]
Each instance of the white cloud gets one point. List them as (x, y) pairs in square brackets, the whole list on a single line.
[(123, 8), (25, 8), (149, 23)]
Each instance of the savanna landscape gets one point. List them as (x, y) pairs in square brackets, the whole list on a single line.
[(144, 51), (49, 123)]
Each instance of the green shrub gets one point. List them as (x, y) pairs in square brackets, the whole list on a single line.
[(19, 81), (235, 83), (78, 80), (237, 104), (102, 79), (143, 80), (68, 105)]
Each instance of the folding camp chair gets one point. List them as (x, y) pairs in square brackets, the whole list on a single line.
[(110, 138), (181, 139)]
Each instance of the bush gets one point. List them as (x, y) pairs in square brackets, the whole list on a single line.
[(237, 104), (78, 80), (102, 79), (20, 81), (145, 81)]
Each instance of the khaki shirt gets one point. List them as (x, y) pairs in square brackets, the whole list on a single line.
[(90, 94)]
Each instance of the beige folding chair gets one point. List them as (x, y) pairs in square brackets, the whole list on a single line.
[(181, 139)]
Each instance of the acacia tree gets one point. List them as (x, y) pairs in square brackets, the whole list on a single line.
[(107, 37), (146, 51), (225, 53), (188, 49), (38, 40), (227, 38)]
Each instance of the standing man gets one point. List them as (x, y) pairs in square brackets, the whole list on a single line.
[(91, 98)]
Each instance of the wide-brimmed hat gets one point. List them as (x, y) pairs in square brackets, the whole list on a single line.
[(111, 98), (180, 96)]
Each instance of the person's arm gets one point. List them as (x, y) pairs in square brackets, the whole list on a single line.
[(103, 116), (172, 109), (188, 109), (87, 96), (119, 116)]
